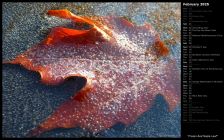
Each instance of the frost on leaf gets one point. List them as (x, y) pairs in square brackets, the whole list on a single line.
[(125, 66)]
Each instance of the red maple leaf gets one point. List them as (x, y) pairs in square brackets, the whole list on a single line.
[(122, 66)]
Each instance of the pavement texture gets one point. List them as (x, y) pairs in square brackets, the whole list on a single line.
[(26, 102)]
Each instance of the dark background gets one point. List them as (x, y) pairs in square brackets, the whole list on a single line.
[(214, 91)]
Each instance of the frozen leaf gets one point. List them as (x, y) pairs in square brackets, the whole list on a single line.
[(125, 66)]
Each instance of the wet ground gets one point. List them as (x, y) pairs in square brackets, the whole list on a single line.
[(27, 102)]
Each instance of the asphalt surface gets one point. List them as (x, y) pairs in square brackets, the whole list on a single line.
[(26, 102)]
